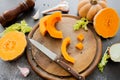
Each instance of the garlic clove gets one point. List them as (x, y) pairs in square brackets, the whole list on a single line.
[(37, 15), (24, 71)]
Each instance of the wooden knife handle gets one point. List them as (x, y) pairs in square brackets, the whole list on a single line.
[(12, 14), (69, 69)]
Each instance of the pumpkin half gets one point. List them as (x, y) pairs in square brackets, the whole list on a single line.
[(89, 8), (12, 45), (106, 22)]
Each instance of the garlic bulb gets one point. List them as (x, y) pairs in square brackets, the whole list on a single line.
[(62, 6)]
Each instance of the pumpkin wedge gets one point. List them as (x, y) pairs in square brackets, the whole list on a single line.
[(106, 22), (51, 21), (43, 24), (65, 54), (12, 45)]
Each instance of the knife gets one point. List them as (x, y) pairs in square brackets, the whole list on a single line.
[(55, 58)]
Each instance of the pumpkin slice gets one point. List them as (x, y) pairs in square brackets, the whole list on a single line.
[(65, 43), (51, 21), (106, 22), (43, 24), (12, 45)]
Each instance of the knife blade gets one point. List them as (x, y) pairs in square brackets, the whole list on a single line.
[(56, 59)]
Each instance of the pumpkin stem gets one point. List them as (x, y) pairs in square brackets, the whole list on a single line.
[(93, 2)]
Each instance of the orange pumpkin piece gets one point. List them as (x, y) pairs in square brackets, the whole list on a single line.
[(79, 46), (65, 43), (12, 45), (80, 37), (106, 22), (43, 24), (51, 21)]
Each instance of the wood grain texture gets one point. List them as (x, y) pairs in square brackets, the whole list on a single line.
[(83, 58)]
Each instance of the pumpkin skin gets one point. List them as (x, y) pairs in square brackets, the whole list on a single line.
[(12, 45), (89, 8)]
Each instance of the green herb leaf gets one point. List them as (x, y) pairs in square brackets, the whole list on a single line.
[(82, 23), (104, 60), (25, 29), (22, 27), (16, 26)]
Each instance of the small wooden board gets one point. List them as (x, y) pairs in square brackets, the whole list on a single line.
[(85, 59)]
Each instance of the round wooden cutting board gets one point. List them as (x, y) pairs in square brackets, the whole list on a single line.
[(85, 60)]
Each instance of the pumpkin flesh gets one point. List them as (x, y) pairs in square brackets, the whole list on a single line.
[(65, 54), (12, 45), (106, 22), (42, 25), (79, 46), (51, 22), (80, 37)]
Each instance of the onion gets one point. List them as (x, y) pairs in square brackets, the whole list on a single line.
[(114, 52)]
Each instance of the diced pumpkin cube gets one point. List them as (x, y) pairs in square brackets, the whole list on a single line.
[(79, 46)]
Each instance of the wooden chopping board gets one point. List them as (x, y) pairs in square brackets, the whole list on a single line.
[(85, 59)]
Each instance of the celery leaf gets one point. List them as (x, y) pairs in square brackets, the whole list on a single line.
[(104, 60)]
